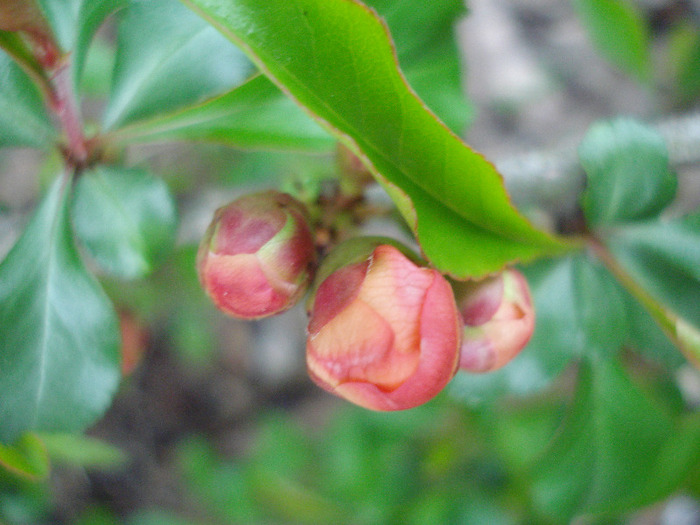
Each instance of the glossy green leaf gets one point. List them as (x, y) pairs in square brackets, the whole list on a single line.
[(83, 451), (617, 449), (26, 458), (168, 58), (619, 32), (23, 117), (59, 337), (628, 175), (255, 115), (125, 218), (335, 58), (428, 54), (580, 310)]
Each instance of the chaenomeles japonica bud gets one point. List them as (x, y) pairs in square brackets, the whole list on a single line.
[(499, 319), (257, 257), (384, 331)]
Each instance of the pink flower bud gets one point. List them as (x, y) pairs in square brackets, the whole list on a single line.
[(384, 333), (257, 257), (499, 319)]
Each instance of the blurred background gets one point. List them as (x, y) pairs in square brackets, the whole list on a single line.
[(216, 421)]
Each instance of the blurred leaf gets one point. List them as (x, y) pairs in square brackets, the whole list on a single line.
[(168, 58), (74, 22), (647, 337), (254, 115), (628, 173), (664, 257), (83, 451), (20, 51), (99, 64), (618, 449), (221, 486), (59, 338), (286, 499), (23, 15), (684, 56), (336, 59), (126, 218), (427, 51), (619, 32), (159, 517), (580, 310), (23, 117), (24, 505), (25, 458), (97, 516)]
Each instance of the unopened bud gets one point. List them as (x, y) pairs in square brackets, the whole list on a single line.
[(499, 320), (384, 332), (258, 255)]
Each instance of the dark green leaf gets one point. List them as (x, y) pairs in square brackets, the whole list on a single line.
[(23, 117), (628, 173), (168, 58), (336, 59), (580, 310), (59, 336), (83, 451), (126, 218), (619, 32), (26, 458), (618, 449), (256, 114)]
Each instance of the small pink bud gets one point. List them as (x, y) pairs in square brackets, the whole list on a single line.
[(257, 257), (384, 333), (499, 320)]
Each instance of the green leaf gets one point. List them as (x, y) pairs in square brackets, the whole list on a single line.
[(684, 56), (663, 257), (580, 310), (83, 451), (335, 58), (91, 15), (26, 458), (629, 178), (168, 58), (126, 219), (646, 337), (619, 32), (23, 117), (617, 450), (428, 54), (59, 336), (74, 22), (254, 115)]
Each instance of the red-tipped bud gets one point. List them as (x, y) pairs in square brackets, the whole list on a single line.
[(384, 333), (499, 319), (257, 257)]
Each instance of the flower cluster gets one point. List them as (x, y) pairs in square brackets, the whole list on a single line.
[(386, 331)]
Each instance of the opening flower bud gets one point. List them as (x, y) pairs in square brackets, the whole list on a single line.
[(499, 320), (384, 332), (257, 257)]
